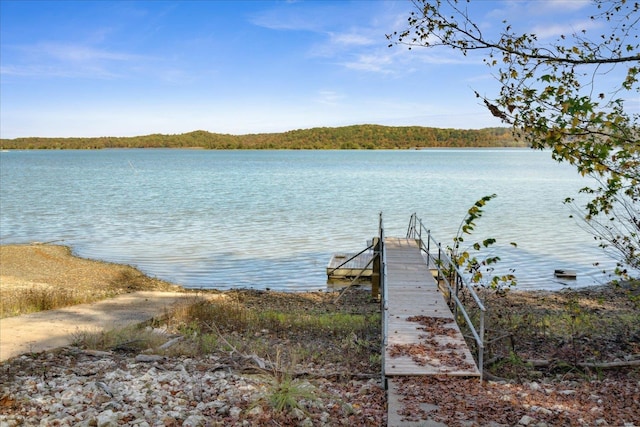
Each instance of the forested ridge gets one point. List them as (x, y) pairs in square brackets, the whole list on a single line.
[(347, 137)]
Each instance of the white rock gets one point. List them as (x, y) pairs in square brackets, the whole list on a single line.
[(68, 397), (525, 420), (542, 410), (107, 419), (174, 414), (298, 414), (10, 422), (194, 421), (147, 358), (255, 411), (105, 388)]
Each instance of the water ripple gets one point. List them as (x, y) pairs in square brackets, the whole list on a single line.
[(218, 219)]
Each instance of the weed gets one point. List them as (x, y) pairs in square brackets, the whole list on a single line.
[(129, 339), (375, 359), (24, 300), (286, 393)]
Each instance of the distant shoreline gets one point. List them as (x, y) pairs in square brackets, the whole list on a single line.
[(8, 150), (359, 137)]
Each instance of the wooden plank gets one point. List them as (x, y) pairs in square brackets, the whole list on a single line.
[(395, 406), (360, 265)]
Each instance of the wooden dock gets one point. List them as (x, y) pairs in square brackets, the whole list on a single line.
[(421, 336), (347, 266)]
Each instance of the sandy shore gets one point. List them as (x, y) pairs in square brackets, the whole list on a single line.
[(134, 298), (40, 265)]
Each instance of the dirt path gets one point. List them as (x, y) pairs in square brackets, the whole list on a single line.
[(51, 269), (51, 329)]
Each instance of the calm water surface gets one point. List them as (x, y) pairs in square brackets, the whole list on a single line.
[(272, 219)]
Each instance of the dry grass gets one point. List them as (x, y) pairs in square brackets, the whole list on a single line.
[(565, 329), (293, 330), (44, 277), (17, 301)]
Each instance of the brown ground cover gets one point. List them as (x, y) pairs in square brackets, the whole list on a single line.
[(589, 328), (43, 277)]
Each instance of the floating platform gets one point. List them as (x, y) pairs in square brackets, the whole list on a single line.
[(346, 266), (565, 274)]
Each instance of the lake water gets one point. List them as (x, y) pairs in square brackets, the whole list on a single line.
[(272, 219)]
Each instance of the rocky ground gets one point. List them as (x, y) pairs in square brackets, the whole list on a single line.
[(72, 387)]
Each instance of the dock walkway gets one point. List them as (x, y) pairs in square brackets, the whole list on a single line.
[(421, 336)]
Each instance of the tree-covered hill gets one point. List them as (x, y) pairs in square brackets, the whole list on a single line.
[(348, 137)]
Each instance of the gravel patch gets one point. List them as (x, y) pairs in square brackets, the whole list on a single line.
[(72, 387)]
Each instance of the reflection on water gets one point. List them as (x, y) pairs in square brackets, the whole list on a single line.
[(272, 219)]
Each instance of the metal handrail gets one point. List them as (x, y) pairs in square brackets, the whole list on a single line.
[(383, 289), (415, 232), (351, 259)]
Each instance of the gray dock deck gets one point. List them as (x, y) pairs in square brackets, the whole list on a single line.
[(341, 267), (422, 337)]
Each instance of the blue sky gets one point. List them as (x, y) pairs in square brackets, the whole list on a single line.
[(124, 68)]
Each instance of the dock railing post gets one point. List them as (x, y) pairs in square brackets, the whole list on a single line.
[(441, 275), (375, 275), (457, 281), (481, 346), (382, 280)]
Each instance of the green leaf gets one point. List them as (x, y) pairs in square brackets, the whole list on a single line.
[(488, 242)]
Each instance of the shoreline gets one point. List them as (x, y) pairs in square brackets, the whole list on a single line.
[(555, 285), (110, 383)]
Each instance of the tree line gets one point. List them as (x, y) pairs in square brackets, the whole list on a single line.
[(347, 137)]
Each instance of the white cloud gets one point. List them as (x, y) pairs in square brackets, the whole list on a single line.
[(288, 19), (79, 53), (564, 5), (68, 52), (69, 60), (567, 28), (371, 62), (351, 39), (329, 97), (545, 18)]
